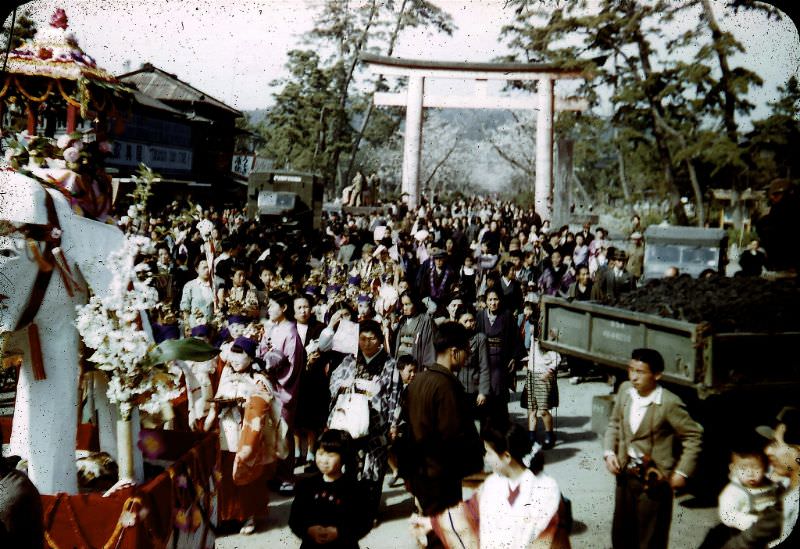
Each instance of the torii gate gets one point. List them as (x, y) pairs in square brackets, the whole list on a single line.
[(415, 99)]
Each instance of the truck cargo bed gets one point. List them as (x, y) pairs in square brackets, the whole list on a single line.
[(694, 356)]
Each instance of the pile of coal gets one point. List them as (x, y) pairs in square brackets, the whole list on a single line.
[(738, 304)]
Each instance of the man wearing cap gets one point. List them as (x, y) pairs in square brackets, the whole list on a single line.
[(436, 278), (636, 257), (778, 229), (783, 452), (614, 280)]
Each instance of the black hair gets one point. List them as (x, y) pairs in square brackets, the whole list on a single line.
[(310, 298), (198, 259), (450, 334), (370, 327), (507, 436), (284, 299), (339, 442), (419, 307), (406, 360), (338, 306), (496, 291), (506, 268), (651, 357)]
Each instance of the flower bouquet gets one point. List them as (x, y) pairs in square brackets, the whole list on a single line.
[(137, 369)]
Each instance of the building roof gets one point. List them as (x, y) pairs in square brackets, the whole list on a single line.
[(161, 85)]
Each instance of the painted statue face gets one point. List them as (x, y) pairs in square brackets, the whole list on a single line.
[(18, 272)]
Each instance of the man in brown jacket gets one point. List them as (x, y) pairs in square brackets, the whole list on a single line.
[(639, 442)]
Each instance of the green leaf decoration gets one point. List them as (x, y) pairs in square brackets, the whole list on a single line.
[(191, 348)]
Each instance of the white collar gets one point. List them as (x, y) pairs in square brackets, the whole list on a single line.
[(652, 398)]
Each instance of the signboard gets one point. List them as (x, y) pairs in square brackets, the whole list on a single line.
[(157, 157)]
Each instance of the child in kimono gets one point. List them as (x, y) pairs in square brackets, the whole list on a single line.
[(239, 383)]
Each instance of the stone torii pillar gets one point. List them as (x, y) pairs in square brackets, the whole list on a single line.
[(416, 98)]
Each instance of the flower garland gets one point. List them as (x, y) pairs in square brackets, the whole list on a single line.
[(111, 326), (72, 164)]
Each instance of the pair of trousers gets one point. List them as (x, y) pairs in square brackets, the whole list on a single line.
[(642, 515)]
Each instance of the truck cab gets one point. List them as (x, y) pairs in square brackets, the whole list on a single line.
[(691, 250), (285, 198)]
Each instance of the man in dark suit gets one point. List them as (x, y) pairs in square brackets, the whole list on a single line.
[(614, 280), (646, 422), (444, 444)]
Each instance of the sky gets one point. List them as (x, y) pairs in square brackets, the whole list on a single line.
[(234, 49)]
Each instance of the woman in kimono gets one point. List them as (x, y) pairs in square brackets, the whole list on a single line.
[(414, 332), (372, 372), (503, 342), (517, 506), (283, 354)]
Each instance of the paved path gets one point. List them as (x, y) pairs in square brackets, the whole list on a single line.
[(576, 463)]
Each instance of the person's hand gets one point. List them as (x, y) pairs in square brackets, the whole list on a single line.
[(612, 464), (318, 533), (420, 525), (393, 433), (313, 357), (337, 317), (511, 365), (323, 535), (677, 481), (480, 400)]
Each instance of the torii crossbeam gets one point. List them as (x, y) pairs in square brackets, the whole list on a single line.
[(415, 99)]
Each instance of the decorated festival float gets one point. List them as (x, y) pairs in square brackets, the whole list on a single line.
[(66, 273)]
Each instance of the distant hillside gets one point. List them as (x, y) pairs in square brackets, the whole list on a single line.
[(256, 115)]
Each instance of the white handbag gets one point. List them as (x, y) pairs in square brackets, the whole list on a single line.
[(351, 414)]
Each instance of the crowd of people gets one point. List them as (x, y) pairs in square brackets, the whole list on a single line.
[(391, 343), (353, 314)]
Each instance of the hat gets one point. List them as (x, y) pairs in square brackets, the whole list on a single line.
[(311, 290), (790, 417), (421, 235), (779, 186), (364, 298), (369, 248), (619, 255), (636, 236), (237, 319), (247, 345), (203, 330), (354, 280), (438, 252)]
